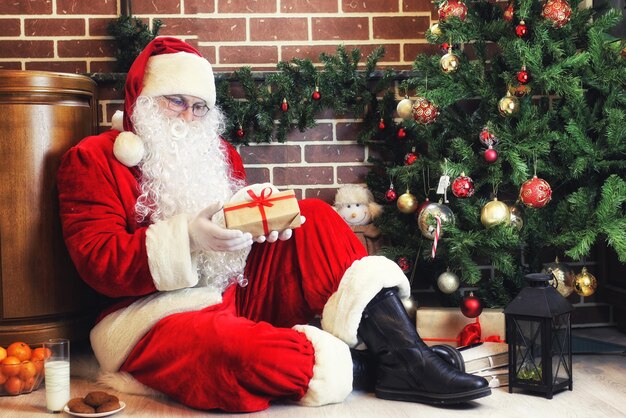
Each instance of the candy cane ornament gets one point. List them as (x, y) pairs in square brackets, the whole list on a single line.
[(436, 236)]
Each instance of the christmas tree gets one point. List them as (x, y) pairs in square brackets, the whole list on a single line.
[(518, 123), (523, 112)]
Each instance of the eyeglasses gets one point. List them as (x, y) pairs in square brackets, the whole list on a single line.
[(177, 104)]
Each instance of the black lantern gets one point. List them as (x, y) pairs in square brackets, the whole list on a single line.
[(538, 331)]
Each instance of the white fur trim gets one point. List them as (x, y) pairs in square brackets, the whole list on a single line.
[(126, 383), (332, 372), (128, 148), (179, 73), (113, 338), (360, 283), (117, 120), (169, 254)]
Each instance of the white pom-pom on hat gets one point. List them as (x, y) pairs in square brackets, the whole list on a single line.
[(128, 149)]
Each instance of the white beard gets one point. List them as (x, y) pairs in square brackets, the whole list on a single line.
[(184, 170)]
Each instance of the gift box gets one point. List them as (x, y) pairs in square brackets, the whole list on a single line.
[(264, 212), (449, 326)]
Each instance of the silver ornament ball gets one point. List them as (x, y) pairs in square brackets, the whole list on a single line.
[(448, 282)]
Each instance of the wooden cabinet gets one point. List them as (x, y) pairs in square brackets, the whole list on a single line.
[(42, 114)]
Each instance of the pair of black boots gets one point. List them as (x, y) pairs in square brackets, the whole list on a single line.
[(400, 366)]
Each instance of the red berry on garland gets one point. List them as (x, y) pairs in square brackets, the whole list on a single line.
[(452, 8), (401, 133), (404, 264), (509, 12), (240, 132), (557, 11), (381, 124), (284, 106), (523, 76), (410, 158), (424, 111), (471, 306), (463, 186), (535, 193), (316, 94), (391, 194), (491, 155), (521, 30)]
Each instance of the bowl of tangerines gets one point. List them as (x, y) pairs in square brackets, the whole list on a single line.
[(21, 368)]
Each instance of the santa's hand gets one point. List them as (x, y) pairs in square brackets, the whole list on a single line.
[(275, 235), (207, 235)]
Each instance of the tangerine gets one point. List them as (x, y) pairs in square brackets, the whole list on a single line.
[(20, 350), (10, 366), (29, 384), (40, 353), (13, 385), (3, 378), (27, 370), (3, 353)]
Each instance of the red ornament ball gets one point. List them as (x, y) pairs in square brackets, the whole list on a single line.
[(523, 76), (391, 195), (401, 133), (381, 125), (284, 106), (453, 8), (240, 133), (557, 11), (491, 155), (463, 186), (509, 12), (471, 306), (316, 95), (535, 193), (404, 264), (424, 111), (421, 207), (410, 158), (521, 30)]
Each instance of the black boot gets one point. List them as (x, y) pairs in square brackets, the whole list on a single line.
[(364, 365), (408, 370)]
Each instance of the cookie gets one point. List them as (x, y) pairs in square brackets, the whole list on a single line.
[(79, 406), (111, 405), (98, 398)]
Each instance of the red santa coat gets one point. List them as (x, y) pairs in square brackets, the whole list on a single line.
[(240, 350)]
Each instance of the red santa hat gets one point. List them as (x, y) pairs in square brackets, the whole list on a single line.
[(166, 66)]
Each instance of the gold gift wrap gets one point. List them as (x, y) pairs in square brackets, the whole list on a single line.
[(443, 325), (264, 213)]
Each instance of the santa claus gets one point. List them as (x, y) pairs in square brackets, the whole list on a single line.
[(137, 209)]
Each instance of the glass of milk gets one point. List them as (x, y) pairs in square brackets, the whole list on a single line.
[(57, 373)]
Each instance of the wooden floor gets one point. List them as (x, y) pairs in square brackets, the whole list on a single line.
[(599, 391)]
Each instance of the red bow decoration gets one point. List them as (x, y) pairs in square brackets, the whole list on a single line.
[(470, 334)]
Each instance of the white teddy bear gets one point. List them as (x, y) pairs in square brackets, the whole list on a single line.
[(356, 205)]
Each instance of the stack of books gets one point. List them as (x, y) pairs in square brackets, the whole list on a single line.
[(489, 360)]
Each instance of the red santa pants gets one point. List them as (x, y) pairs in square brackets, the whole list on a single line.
[(241, 354)]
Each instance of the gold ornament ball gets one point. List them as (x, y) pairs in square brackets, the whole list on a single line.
[(516, 217), (585, 283), (405, 108), (563, 275), (435, 29), (426, 219), (494, 213), (449, 62), (448, 282), (407, 203), (508, 105)]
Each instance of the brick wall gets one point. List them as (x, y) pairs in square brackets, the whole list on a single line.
[(70, 36)]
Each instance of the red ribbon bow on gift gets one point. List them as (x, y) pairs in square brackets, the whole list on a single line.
[(470, 334), (259, 201)]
